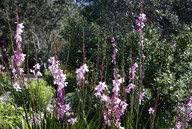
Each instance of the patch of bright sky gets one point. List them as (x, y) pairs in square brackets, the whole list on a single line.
[(87, 2)]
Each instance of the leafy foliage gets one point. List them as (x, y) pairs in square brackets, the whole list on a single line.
[(9, 115), (41, 93), (4, 83)]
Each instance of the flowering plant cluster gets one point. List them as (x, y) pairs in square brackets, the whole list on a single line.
[(18, 57), (35, 121), (36, 71), (184, 115), (80, 73), (133, 72), (115, 50), (141, 25), (140, 22), (113, 101), (112, 104), (60, 80)]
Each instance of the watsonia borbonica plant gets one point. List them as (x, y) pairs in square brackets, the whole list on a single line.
[(115, 106)]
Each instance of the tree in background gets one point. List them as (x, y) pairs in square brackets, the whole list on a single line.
[(43, 21)]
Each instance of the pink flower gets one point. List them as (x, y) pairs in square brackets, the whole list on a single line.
[(151, 110), (183, 109), (51, 60), (116, 50), (72, 121), (101, 86), (35, 121), (38, 74), (22, 57), (4, 48), (104, 98), (174, 45), (80, 73), (190, 98), (123, 105), (189, 105), (128, 90), (143, 56), (164, 40), (141, 95), (19, 31), (112, 39), (19, 28), (18, 38), (133, 71), (178, 125), (37, 66), (113, 56), (16, 87), (135, 66), (98, 94), (36, 71), (139, 29), (32, 71), (63, 109), (142, 25), (129, 87), (138, 22), (142, 17), (190, 115), (113, 44), (2, 67), (20, 71)]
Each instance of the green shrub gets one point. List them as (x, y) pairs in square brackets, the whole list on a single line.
[(49, 78), (9, 116), (41, 93), (5, 84)]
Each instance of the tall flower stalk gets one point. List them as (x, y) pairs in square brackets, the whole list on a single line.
[(15, 64), (139, 85), (60, 81), (114, 106), (18, 57)]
